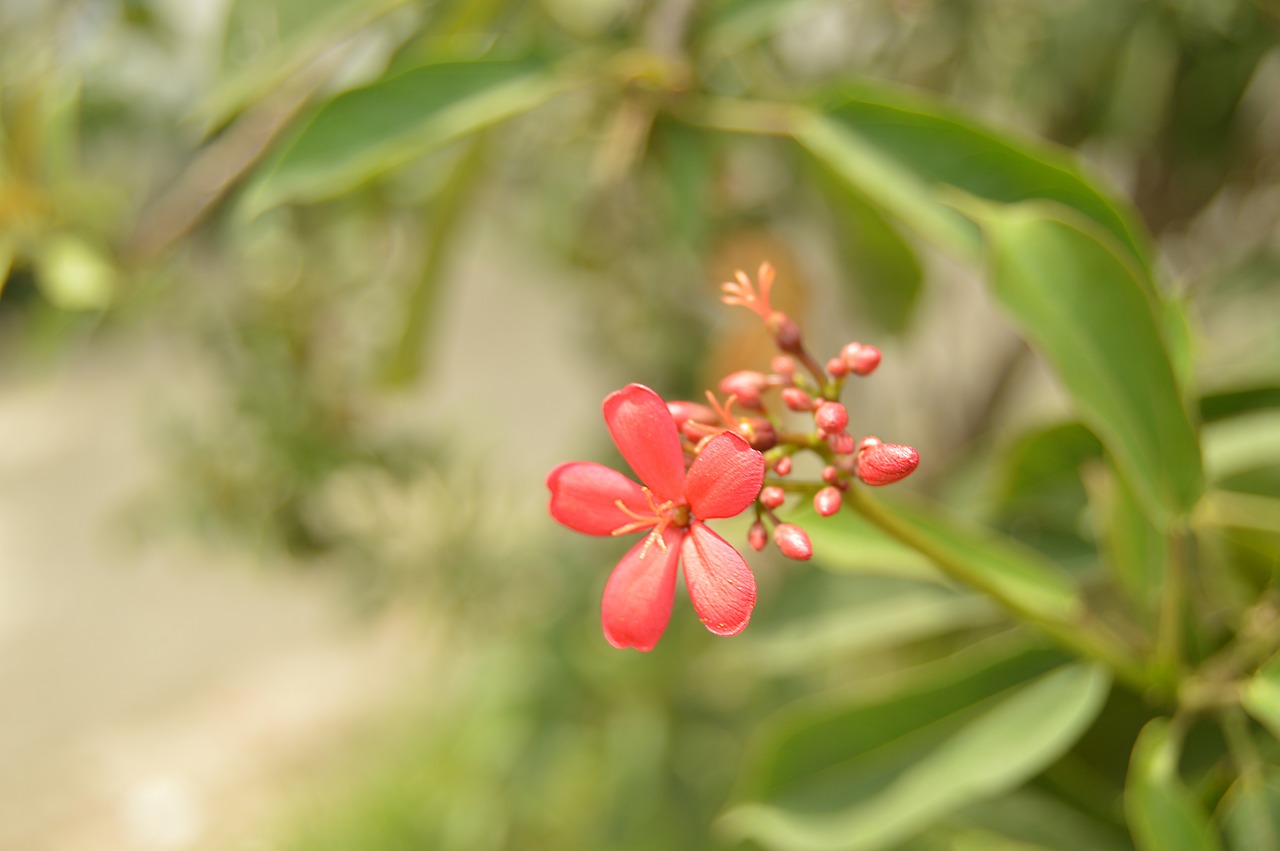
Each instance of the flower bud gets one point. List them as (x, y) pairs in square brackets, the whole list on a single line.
[(832, 417), (785, 331), (682, 412), (837, 368), (796, 399), (783, 366), (830, 474), (885, 463), (862, 360), (793, 542), (827, 501), (759, 432), (757, 536), (841, 444), (783, 466), (746, 385), (772, 496)]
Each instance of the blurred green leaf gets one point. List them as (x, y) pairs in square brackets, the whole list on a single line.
[(74, 274), (268, 40), (1089, 312), (1224, 404), (1250, 811), (1162, 813), (867, 774), (880, 265), (1136, 549), (982, 559), (1034, 819), (367, 131), (1244, 442), (7, 254), (939, 149), (1040, 470), (847, 543), (1261, 696)]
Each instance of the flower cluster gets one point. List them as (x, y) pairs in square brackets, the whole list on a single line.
[(700, 462)]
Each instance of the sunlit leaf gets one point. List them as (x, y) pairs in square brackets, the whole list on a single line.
[(1090, 313), (1162, 813), (867, 774), (1261, 696), (364, 132)]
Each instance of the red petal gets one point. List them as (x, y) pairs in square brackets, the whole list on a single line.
[(638, 596), (725, 477), (584, 497), (646, 436), (720, 583)]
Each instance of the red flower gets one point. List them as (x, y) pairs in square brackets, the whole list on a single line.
[(723, 480)]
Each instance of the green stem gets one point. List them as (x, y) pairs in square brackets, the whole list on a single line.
[(1083, 635)]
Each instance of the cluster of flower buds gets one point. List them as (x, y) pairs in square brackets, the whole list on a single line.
[(803, 386), (699, 462)]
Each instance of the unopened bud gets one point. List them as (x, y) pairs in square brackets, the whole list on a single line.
[(830, 474), (759, 432), (757, 536), (832, 417), (783, 466), (842, 443), (827, 501), (746, 385), (783, 365), (772, 496), (786, 333), (837, 368), (862, 360), (796, 399), (682, 412), (885, 463), (793, 542)]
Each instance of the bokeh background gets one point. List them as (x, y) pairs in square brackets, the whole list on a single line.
[(276, 408)]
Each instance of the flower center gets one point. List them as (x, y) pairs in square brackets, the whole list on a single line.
[(660, 516)]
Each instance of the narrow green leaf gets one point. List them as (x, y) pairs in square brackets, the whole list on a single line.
[(364, 132), (1089, 312), (1250, 811), (1136, 550), (1162, 813), (943, 149), (871, 775)]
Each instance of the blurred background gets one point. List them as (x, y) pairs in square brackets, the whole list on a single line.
[(303, 298)]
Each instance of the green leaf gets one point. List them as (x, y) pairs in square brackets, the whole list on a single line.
[(1250, 811), (868, 774), (1089, 312), (880, 265), (1261, 697), (364, 132), (1136, 550), (847, 543), (922, 147), (983, 560), (1162, 813)]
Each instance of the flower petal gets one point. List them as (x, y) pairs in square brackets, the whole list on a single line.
[(720, 583), (584, 497), (646, 436), (638, 595), (725, 477)]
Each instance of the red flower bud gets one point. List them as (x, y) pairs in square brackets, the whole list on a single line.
[(885, 463), (841, 444), (783, 466), (757, 536), (837, 367), (785, 331), (796, 399), (832, 417), (759, 432), (783, 365), (772, 496), (862, 360), (747, 385), (682, 412), (793, 542), (827, 501), (830, 474)]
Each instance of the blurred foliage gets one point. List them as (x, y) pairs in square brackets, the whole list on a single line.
[(1080, 653)]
